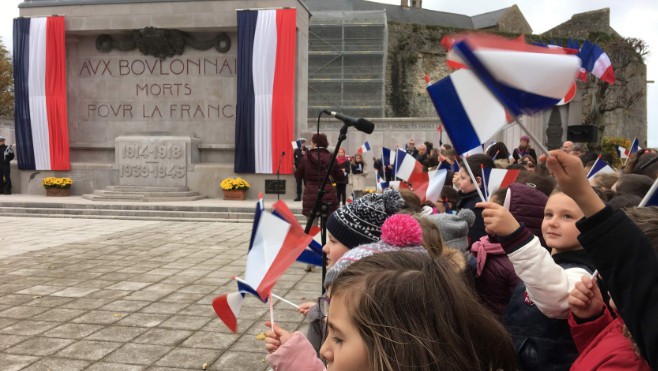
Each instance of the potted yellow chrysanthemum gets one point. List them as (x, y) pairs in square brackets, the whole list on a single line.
[(57, 187), (235, 188)]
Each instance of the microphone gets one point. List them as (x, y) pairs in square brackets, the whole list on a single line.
[(283, 153), (360, 124)]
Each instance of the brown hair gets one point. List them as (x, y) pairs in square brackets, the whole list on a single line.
[(634, 184), (643, 162), (415, 313), (320, 140), (606, 180), (474, 163), (432, 240), (411, 201)]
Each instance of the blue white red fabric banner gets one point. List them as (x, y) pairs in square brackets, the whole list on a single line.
[(41, 122), (265, 114), (635, 146), (364, 148)]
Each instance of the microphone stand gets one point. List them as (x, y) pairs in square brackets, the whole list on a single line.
[(320, 206), (278, 181)]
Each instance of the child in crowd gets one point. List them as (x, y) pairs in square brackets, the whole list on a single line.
[(602, 341), (495, 279), (400, 231), (350, 226), (537, 312), (447, 201), (399, 311), (468, 195), (621, 251), (633, 184)]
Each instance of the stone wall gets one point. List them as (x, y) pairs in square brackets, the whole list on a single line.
[(125, 93), (581, 25), (513, 21)]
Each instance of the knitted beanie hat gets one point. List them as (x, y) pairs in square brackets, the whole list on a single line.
[(360, 222), (400, 231), (454, 228)]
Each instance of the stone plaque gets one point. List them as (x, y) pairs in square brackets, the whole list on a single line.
[(152, 161)]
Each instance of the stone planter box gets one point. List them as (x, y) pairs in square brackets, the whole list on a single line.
[(58, 192), (235, 194)]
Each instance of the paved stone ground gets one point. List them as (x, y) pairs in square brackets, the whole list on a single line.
[(83, 294)]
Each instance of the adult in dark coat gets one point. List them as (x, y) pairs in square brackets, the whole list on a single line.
[(312, 169), (7, 154), (297, 158)]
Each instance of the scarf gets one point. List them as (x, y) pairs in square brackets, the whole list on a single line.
[(483, 247)]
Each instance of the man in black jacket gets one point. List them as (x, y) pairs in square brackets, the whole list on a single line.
[(7, 154)]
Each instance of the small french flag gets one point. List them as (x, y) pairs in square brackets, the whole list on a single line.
[(469, 111), (622, 152), (524, 78), (651, 198), (596, 61), (277, 240), (437, 179), (635, 146), (495, 179), (599, 166), (381, 184), (408, 168), (364, 148), (296, 144)]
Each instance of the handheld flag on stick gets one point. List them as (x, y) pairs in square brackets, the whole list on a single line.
[(296, 144), (364, 148), (635, 146), (622, 152), (651, 198), (599, 166), (524, 78), (277, 240), (495, 179)]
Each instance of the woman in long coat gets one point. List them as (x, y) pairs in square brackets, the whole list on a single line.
[(312, 169)]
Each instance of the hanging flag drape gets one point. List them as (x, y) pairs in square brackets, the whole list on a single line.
[(265, 114), (41, 123)]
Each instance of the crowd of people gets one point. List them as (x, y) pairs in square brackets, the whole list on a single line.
[(555, 272)]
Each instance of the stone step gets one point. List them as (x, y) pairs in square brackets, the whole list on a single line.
[(130, 213), (241, 206), (146, 189), (134, 212), (130, 217), (172, 194)]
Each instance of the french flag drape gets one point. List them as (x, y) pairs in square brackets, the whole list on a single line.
[(265, 116), (42, 136)]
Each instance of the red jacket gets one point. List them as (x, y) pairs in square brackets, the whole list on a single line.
[(603, 346)]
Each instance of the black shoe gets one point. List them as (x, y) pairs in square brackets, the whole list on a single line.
[(298, 199)]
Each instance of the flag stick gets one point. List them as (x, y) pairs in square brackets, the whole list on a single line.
[(477, 187), (484, 183), (594, 275), (592, 168), (271, 294), (532, 136), (646, 198), (271, 313)]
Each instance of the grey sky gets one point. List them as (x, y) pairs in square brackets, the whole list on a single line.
[(631, 18)]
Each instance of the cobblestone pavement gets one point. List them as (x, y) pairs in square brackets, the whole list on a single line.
[(84, 294)]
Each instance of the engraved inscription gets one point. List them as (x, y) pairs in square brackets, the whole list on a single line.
[(152, 162)]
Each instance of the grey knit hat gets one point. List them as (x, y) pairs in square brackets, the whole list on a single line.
[(360, 222), (454, 228), (399, 232)]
